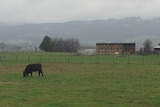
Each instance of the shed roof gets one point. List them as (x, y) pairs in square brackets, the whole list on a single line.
[(157, 47), (87, 51), (115, 43)]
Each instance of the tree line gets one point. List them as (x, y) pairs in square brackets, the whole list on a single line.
[(59, 44), (148, 49)]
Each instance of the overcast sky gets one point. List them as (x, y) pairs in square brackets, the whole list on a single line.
[(43, 11)]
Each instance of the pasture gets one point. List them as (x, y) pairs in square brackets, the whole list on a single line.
[(80, 81)]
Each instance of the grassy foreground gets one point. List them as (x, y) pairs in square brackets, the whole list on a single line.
[(81, 85)]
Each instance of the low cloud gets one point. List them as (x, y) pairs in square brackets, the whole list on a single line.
[(43, 11)]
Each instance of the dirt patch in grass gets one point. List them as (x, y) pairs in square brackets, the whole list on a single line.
[(2, 82)]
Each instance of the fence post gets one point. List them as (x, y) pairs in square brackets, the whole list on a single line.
[(40, 58), (97, 61), (16, 59), (54, 59), (113, 59), (68, 59), (82, 61), (128, 60), (28, 59), (143, 61)]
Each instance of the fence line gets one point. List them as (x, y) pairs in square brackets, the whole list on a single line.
[(69, 59)]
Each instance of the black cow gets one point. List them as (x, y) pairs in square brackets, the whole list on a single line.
[(33, 68)]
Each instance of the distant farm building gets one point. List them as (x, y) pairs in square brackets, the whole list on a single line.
[(157, 49), (115, 48), (87, 52)]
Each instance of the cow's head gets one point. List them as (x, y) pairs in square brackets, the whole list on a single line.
[(24, 74)]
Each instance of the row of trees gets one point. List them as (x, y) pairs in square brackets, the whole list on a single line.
[(148, 49), (59, 44), (9, 47), (72, 45)]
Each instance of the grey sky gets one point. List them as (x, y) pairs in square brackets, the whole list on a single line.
[(43, 11)]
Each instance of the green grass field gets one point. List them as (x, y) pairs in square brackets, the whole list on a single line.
[(88, 81)]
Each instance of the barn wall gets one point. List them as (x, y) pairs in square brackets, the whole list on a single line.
[(115, 48)]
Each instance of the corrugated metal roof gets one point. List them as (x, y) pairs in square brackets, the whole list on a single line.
[(87, 51), (157, 47), (115, 43)]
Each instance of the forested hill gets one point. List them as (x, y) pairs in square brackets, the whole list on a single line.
[(130, 29)]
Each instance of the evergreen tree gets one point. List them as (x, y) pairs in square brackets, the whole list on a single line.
[(47, 44)]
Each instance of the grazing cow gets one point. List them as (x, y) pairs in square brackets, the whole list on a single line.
[(32, 68)]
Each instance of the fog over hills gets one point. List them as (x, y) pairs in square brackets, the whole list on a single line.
[(130, 29)]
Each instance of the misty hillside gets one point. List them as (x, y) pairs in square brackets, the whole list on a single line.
[(88, 32)]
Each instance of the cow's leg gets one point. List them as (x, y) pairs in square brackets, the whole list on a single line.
[(39, 73), (42, 74), (31, 74)]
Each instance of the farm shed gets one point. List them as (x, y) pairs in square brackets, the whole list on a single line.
[(115, 48), (87, 52), (157, 49)]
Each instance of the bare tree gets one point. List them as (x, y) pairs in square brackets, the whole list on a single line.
[(147, 46), (65, 45)]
